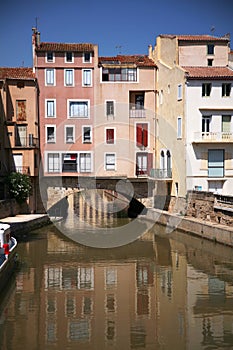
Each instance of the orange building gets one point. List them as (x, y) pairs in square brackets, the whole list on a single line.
[(19, 93)]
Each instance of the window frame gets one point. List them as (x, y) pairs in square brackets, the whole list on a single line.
[(79, 162), (179, 92), (120, 74), (58, 170), (90, 59), (106, 108), (72, 57), (87, 101), (46, 57), (73, 134), (23, 118), (226, 93), (83, 133), (109, 141), (205, 92), (83, 77), (65, 77), (54, 77), (46, 107), (216, 166), (46, 133), (179, 128), (210, 49), (108, 154)]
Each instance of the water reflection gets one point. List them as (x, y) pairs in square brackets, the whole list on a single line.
[(160, 292)]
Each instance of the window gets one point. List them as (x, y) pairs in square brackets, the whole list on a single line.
[(226, 125), (20, 135), (206, 124), (216, 163), (110, 161), (141, 164), (139, 101), (210, 62), (119, 74), (69, 134), (69, 77), (87, 57), (142, 135), (226, 89), (87, 135), (87, 77), (110, 139), (78, 109), (69, 57), (50, 109), (85, 162), (109, 108), (210, 49), (206, 89), (69, 162), (51, 134), (179, 127), (50, 56), (50, 77), (53, 163), (179, 92), (21, 110)]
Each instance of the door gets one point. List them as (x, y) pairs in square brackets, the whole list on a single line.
[(21, 135), (141, 164)]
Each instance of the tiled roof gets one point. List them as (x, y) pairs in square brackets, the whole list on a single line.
[(16, 73), (64, 47), (209, 73), (199, 37), (138, 60)]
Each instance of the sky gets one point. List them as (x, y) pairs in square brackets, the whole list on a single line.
[(118, 27)]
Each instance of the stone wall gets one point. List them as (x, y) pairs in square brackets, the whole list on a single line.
[(10, 207)]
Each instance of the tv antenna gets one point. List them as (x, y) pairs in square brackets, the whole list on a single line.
[(212, 29), (119, 48)]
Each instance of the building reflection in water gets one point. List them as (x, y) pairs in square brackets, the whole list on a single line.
[(160, 292)]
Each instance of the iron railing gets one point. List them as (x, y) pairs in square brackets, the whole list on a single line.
[(161, 173), (213, 136)]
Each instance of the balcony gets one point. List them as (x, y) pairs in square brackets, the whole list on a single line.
[(27, 142), (213, 137), (137, 113), (161, 173)]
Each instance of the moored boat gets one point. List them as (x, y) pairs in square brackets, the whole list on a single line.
[(8, 254)]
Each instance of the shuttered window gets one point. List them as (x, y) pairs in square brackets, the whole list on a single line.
[(142, 135)]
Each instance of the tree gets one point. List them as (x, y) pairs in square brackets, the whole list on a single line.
[(19, 186)]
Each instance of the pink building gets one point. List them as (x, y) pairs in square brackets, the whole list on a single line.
[(65, 75)]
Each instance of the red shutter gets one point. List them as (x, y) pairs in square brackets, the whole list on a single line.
[(145, 135), (139, 135), (110, 135)]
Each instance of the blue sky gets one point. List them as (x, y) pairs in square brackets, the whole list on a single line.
[(122, 26)]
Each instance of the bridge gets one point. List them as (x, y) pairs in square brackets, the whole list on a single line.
[(137, 192)]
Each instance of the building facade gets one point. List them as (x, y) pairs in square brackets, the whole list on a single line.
[(66, 79), (188, 64), (20, 127)]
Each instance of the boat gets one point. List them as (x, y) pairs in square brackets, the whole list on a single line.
[(8, 254)]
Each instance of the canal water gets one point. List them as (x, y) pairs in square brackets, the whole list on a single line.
[(162, 291)]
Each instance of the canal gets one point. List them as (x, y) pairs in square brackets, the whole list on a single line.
[(161, 291)]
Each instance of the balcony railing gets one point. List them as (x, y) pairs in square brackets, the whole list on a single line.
[(137, 113), (161, 173), (22, 169), (29, 141), (213, 137)]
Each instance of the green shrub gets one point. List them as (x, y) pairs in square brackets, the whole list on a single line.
[(19, 186)]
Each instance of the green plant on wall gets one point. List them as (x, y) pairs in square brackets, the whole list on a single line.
[(19, 186)]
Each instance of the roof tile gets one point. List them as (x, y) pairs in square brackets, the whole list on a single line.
[(63, 47), (16, 73), (209, 73), (138, 60)]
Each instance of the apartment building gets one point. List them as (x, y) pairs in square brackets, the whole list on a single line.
[(194, 82), (125, 116), (65, 75), (19, 149)]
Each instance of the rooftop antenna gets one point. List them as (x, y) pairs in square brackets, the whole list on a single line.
[(36, 21), (119, 47)]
